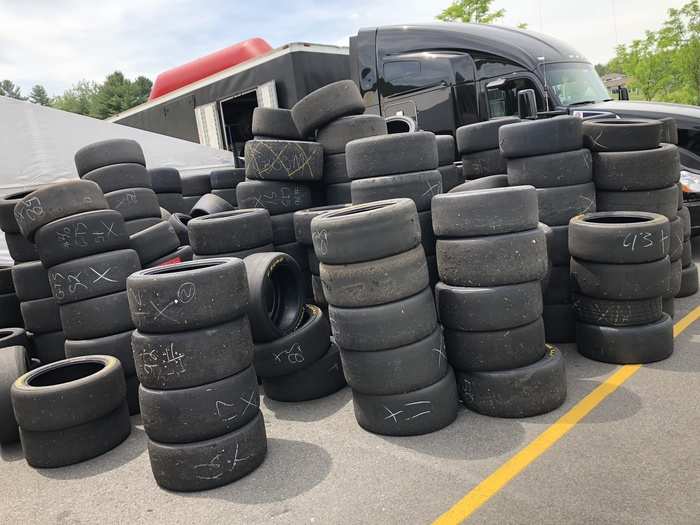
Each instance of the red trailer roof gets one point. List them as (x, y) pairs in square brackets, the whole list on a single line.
[(207, 65)]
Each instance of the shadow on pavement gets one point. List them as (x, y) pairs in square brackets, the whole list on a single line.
[(308, 411), (11, 452), (621, 404)]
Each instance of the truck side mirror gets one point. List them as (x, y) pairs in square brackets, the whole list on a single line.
[(527, 104), (623, 93)]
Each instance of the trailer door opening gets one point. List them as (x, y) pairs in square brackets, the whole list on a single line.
[(237, 118)]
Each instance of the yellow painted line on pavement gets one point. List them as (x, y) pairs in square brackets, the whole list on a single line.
[(490, 486)]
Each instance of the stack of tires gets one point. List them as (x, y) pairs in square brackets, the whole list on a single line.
[(621, 270), (71, 410), (549, 155), (167, 185), (302, 232), (374, 276), (274, 123), (199, 393), (478, 146), (451, 174), (334, 114), (14, 362), (224, 181), (10, 313), (194, 186), (491, 256), (402, 165), (676, 253), (689, 271), (210, 204), (118, 166), (85, 248), (159, 245), (237, 233)]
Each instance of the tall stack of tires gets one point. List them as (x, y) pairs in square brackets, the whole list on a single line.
[(478, 146), (199, 393), (167, 185), (118, 166), (689, 271), (294, 355), (85, 248), (549, 155), (491, 256), (382, 314), (621, 270), (224, 181), (194, 186), (159, 245), (451, 174), (237, 233), (71, 410), (397, 166), (334, 114)]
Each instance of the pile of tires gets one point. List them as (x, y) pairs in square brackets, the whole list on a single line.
[(84, 246), (167, 185), (492, 255), (210, 204), (274, 123), (194, 186), (382, 314), (402, 165), (10, 313), (478, 146), (549, 155), (14, 362), (71, 410), (224, 181), (199, 394), (302, 232), (118, 167), (620, 270), (689, 271), (159, 245), (451, 173), (236, 233)]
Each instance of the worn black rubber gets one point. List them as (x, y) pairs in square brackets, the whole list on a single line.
[(626, 345), (446, 150), (14, 362), (495, 260), (606, 312), (13, 337), (195, 184), (669, 307), (81, 235), (558, 245), (338, 193), (637, 170), (154, 242), (621, 281), (676, 243), (526, 391), (559, 323), (230, 231), (620, 237), (106, 153), (204, 465), (242, 254), (483, 164), (134, 203), (366, 232), (10, 315), (541, 137), (409, 414), (558, 289), (20, 249), (179, 222), (228, 194), (559, 204), (377, 327), (327, 104), (283, 160), (30, 281), (189, 295), (276, 197), (296, 251), (186, 415), (481, 136), (669, 130), (302, 221), (567, 168), (41, 315), (96, 317), (276, 295), (391, 154), (620, 134), (334, 169), (194, 357), (8, 223), (496, 350), (420, 186), (335, 135), (689, 281), (209, 204), (686, 253), (116, 177), (117, 345), (226, 178), (274, 122), (375, 282), (427, 235), (92, 276), (397, 370), (452, 176), (6, 284), (165, 180), (283, 228), (676, 279), (296, 350), (49, 347), (317, 290), (684, 216), (181, 254), (485, 212), (491, 181)]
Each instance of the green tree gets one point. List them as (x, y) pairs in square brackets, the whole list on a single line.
[(39, 96), (522, 25), (9, 89), (476, 11), (118, 94), (78, 99)]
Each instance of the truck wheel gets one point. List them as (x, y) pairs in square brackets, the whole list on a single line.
[(638, 170), (154, 242), (338, 193), (283, 160), (521, 392), (689, 281), (558, 205), (485, 212), (391, 154), (541, 137), (615, 134), (335, 135), (14, 362), (275, 197), (230, 231), (568, 168), (117, 345), (334, 169), (226, 178), (165, 180), (421, 187), (117, 177), (663, 201), (41, 315), (21, 250), (481, 136), (409, 414), (621, 281), (327, 104), (274, 122), (626, 344), (609, 312), (31, 281), (106, 153), (483, 183)]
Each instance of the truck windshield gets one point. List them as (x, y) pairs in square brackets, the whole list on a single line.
[(574, 83)]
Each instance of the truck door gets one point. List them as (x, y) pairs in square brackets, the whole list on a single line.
[(499, 83)]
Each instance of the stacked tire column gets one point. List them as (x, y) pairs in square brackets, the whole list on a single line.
[(478, 147), (451, 174), (224, 182), (382, 314), (237, 233), (402, 165), (621, 269), (85, 248), (549, 155), (167, 185), (689, 271), (491, 256), (199, 394)]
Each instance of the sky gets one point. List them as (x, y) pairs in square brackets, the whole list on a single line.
[(59, 42)]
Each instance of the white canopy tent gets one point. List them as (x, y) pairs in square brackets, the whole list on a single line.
[(37, 145)]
